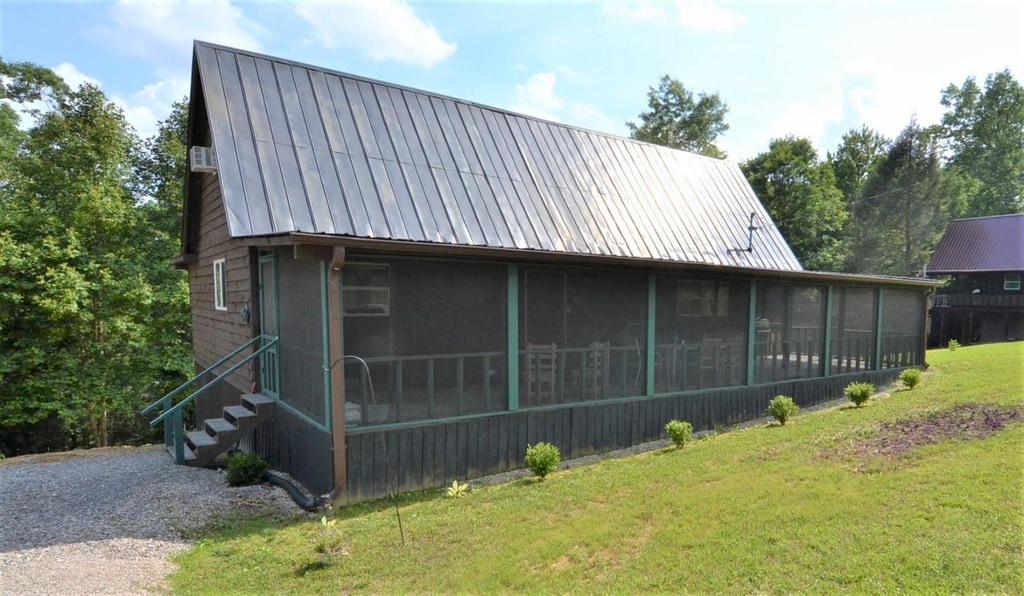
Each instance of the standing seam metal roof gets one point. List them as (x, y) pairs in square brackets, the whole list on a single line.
[(304, 149), (978, 244)]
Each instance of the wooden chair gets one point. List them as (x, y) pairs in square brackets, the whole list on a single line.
[(594, 377), (541, 371)]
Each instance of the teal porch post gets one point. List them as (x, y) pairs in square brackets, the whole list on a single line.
[(878, 330), (513, 337), (829, 305), (751, 331), (652, 287)]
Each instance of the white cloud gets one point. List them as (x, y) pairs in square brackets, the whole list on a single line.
[(74, 77), (380, 29), (644, 11), (806, 119), (706, 15), (695, 15), (145, 108), (538, 97), (163, 29)]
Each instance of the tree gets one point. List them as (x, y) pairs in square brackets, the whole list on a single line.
[(904, 208), (677, 120), (984, 134), (800, 193), (84, 289), (859, 153)]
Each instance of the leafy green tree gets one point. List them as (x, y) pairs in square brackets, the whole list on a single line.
[(677, 119), (905, 206), (800, 193), (859, 152), (984, 132), (86, 285)]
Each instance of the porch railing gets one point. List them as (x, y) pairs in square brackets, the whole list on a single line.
[(979, 300), (172, 417)]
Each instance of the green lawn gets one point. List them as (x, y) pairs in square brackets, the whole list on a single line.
[(765, 509)]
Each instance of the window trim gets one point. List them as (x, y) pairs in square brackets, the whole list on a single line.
[(1011, 282), (220, 279)]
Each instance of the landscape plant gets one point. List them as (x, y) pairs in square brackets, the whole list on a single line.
[(456, 490), (911, 377), (953, 345), (859, 392), (328, 542), (542, 459), (245, 468), (782, 408), (679, 431)]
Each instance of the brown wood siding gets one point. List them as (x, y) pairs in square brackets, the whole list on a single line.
[(432, 455), (216, 333)]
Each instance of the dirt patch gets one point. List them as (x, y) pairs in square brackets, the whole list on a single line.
[(965, 422)]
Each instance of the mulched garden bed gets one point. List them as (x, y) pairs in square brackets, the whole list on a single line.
[(965, 421)]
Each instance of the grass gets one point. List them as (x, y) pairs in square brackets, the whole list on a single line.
[(765, 509)]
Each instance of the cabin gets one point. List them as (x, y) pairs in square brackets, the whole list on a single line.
[(392, 289), (981, 260)]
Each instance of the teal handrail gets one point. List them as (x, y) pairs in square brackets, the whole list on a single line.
[(174, 427)]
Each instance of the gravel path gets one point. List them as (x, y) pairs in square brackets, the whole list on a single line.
[(106, 521)]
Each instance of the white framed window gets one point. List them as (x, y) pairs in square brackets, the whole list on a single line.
[(702, 299), (219, 285), (366, 289), (1011, 282)]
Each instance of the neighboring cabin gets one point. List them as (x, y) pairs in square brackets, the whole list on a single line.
[(983, 259), (493, 280)]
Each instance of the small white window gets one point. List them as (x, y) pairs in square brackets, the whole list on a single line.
[(219, 283), (1011, 281)]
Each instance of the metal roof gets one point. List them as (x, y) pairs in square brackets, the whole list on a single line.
[(980, 244), (309, 150)]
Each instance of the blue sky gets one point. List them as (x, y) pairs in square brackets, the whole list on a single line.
[(802, 67)]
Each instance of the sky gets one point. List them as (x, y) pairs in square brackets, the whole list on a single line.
[(807, 68)]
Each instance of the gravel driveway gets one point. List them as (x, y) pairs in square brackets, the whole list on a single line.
[(106, 521)]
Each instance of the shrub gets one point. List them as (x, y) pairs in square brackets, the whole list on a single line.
[(911, 377), (859, 393), (542, 458), (782, 407), (457, 490), (679, 431), (245, 468), (953, 345)]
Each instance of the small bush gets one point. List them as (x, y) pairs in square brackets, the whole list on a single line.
[(782, 407), (859, 393), (329, 541), (456, 490), (911, 377), (679, 431), (953, 345), (245, 468), (542, 458)]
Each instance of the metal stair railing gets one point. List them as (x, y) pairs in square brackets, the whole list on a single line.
[(174, 433)]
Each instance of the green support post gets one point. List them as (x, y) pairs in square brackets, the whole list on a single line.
[(513, 337), (878, 331), (829, 301), (652, 289), (751, 331)]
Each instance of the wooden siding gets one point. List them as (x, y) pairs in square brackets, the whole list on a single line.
[(291, 444), (433, 454), (216, 333)]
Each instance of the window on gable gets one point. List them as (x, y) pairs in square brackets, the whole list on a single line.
[(1011, 282), (219, 285)]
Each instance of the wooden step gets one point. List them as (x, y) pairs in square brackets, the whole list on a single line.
[(199, 439), (216, 427), (259, 403), (235, 414)]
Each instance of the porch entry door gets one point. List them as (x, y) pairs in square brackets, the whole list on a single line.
[(269, 361)]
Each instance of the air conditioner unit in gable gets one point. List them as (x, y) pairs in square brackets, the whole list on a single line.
[(201, 159)]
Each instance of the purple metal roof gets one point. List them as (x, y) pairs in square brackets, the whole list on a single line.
[(309, 150), (993, 243)]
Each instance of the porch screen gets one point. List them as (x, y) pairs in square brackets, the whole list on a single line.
[(853, 329), (432, 334), (902, 325), (701, 333), (301, 346), (582, 335), (789, 332)]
